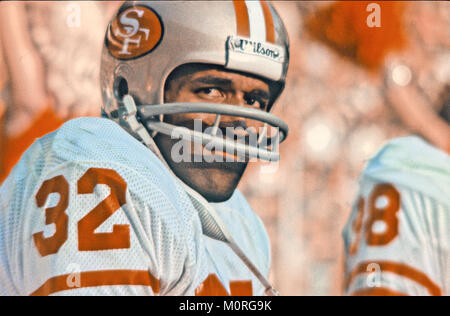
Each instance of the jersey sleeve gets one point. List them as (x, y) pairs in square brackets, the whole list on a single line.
[(396, 242), (100, 229)]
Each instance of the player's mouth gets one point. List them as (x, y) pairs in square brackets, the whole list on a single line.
[(234, 132), (237, 138)]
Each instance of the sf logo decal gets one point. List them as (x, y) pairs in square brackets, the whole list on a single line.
[(132, 28), (134, 33)]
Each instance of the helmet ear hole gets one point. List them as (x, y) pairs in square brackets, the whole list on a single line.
[(120, 88)]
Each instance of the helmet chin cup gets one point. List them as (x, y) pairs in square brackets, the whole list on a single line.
[(149, 116)]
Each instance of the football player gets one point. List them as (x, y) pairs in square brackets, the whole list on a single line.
[(106, 205), (397, 238)]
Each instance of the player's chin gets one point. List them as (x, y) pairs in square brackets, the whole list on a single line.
[(216, 196), (215, 181)]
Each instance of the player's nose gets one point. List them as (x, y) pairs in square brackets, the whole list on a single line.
[(238, 98)]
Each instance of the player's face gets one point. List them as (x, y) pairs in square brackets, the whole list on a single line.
[(216, 180)]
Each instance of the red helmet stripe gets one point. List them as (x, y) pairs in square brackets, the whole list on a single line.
[(242, 20), (270, 28)]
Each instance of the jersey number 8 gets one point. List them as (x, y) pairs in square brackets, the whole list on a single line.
[(384, 204)]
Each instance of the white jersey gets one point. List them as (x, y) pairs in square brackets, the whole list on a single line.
[(397, 238), (91, 211)]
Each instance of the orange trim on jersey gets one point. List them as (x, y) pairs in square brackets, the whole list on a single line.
[(241, 288), (99, 278), (242, 19), (14, 147), (399, 269), (213, 287), (268, 18), (377, 291)]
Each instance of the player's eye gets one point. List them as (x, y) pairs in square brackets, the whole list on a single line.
[(256, 102), (210, 92)]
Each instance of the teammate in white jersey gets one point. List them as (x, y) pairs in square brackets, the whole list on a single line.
[(397, 238), (142, 201)]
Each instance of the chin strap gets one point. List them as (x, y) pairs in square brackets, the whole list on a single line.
[(136, 127), (212, 224)]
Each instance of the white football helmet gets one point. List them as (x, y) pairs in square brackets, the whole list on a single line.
[(147, 40)]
